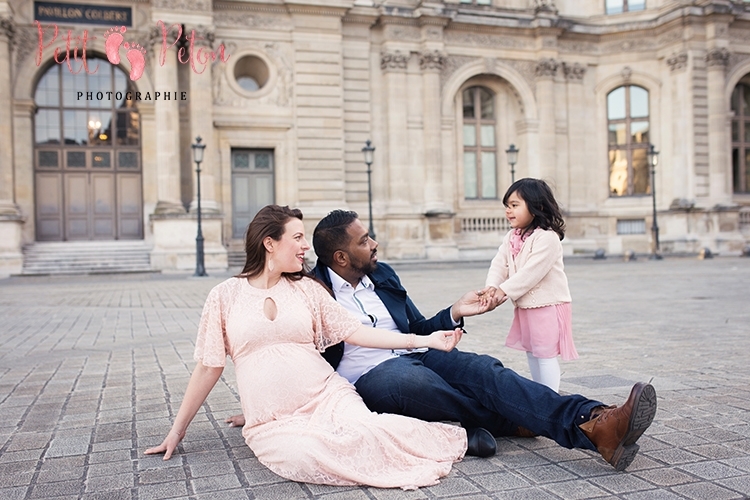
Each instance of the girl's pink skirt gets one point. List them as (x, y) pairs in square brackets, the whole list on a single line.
[(545, 332)]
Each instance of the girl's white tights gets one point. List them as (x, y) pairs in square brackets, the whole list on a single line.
[(546, 371)]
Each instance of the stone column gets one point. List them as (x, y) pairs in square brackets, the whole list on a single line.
[(546, 69), (167, 116), (202, 123), (718, 145), (7, 197), (394, 65), (682, 149), (577, 176), (431, 63)]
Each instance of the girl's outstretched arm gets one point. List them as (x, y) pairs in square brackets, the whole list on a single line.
[(202, 380)]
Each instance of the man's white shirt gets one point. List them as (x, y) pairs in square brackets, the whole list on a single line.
[(364, 303)]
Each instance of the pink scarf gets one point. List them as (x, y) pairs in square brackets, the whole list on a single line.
[(516, 241)]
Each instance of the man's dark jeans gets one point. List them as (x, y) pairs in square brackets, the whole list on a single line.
[(477, 391)]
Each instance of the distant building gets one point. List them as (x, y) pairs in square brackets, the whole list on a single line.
[(441, 88)]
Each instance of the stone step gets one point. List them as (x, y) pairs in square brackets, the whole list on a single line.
[(86, 257)]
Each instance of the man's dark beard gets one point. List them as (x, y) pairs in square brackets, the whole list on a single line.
[(367, 268)]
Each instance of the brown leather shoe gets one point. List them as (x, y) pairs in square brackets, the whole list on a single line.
[(614, 430)]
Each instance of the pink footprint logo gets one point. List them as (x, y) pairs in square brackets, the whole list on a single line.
[(112, 45), (137, 57)]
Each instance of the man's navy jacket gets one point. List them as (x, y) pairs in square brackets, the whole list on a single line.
[(403, 311)]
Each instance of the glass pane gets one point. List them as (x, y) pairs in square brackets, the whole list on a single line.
[(262, 161), (470, 174), (127, 159), (248, 83), (486, 103), (468, 98), (241, 161), (736, 178), (47, 126), (489, 174), (71, 85), (735, 102), (48, 90), (616, 104), (470, 135), (745, 100), (488, 135), (614, 6), (618, 172), (101, 159), (638, 102), (100, 128), (617, 133), (76, 159), (99, 84), (745, 185), (484, 2), (75, 127), (747, 131), (128, 128), (641, 173), (636, 5), (639, 132), (48, 159), (735, 131)]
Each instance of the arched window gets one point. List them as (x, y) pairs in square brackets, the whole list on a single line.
[(628, 136), (741, 138), (480, 151), (87, 162)]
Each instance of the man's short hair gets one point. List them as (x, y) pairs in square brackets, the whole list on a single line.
[(330, 234)]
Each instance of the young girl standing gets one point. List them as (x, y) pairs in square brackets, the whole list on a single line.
[(528, 269)]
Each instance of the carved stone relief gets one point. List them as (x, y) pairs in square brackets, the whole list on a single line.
[(717, 57), (7, 28), (677, 61), (546, 68), (626, 73), (394, 60), (204, 35), (401, 32), (432, 60), (451, 64), (203, 5), (574, 72), (458, 37), (544, 6), (736, 59), (280, 95), (249, 20), (25, 41)]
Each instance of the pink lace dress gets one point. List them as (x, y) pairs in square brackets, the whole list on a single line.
[(545, 332), (304, 421)]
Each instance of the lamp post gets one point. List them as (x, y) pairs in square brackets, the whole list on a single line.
[(653, 160), (368, 151), (512, 154), (200, 268)]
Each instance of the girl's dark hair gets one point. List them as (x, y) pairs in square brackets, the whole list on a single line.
[(269, 221), (541, 204), (331, 234)]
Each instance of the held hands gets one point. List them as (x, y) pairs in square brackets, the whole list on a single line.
[(444, 340), (471, 303), (168, 445), (491, 297)]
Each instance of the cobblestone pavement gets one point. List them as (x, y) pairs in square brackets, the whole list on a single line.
[(92, 369)]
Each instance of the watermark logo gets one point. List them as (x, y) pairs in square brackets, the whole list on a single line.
[(115, 41)]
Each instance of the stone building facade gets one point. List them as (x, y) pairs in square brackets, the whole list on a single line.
[(284, 94)]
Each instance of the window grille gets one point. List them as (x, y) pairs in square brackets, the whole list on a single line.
[(631, 226)]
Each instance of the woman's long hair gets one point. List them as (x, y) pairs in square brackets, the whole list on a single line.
[(269, 221), (541, 204)]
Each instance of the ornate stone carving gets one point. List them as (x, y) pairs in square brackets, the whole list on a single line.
[(451, 65), (546, 68), (7, 28), (156, 35), (574, 72), (249, 20), (677, 61), (460, 37), (717, 57), (25, 41), (204, 35), (626, 73), (182, 4), (431, 60), (545, 6), (393, 60)]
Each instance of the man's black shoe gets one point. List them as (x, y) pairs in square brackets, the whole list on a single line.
[(481, 443)]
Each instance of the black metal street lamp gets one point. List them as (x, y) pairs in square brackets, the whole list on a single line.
[(368, 151), (512, 154), (200, 268), (653, 160)]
